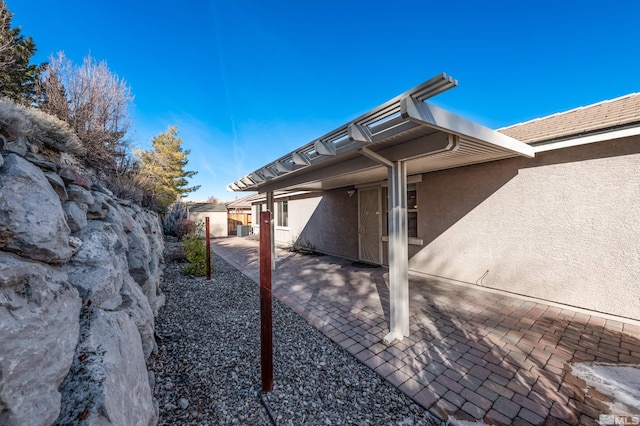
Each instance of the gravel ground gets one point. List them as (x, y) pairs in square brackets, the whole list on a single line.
[(207, 368)]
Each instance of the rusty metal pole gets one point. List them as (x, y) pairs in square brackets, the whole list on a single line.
[(208, 239), (266, 344)]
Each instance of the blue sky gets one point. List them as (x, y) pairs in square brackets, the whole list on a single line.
[(247, 81)]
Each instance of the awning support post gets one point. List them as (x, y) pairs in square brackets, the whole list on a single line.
[(398, 253)]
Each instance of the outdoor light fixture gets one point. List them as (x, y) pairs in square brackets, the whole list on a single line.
[(351, 192)]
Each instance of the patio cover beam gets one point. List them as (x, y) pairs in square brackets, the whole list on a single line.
[(376, 157), (437, 118)]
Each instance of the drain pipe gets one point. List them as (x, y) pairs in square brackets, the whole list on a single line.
[(271, 207)]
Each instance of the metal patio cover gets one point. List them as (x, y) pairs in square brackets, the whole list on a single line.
[(405, 128), (401, 137)]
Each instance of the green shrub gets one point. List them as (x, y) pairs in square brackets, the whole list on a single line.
[(195, 251)]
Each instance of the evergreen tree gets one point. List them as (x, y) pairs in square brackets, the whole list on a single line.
[(18, 78), (162, 170), (52, 96)]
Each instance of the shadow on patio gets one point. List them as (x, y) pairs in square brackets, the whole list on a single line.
[(471, 354)]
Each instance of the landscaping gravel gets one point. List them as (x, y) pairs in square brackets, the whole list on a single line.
[(207, 369)]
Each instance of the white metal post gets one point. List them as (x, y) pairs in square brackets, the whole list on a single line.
[(398, 252)]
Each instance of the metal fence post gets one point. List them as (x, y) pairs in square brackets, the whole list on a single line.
[(266, 344), (208, 242)]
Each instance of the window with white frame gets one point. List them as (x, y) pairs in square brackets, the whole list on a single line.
[(282, 213), (412, 210)]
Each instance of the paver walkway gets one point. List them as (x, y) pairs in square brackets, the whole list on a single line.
[(472, 354)]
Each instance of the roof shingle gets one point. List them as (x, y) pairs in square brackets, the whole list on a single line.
[(613, 113)]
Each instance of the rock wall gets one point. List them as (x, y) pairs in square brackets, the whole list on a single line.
[(79, 285)]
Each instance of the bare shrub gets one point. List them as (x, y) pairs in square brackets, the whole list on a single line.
[(94, 102), (185, 227)]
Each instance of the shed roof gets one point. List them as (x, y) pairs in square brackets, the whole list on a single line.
[(207, 207), (241, 203), (605, 115)]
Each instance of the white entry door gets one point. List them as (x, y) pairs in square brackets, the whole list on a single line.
[(369, 225)]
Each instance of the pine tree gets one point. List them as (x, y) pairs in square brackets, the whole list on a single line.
[(53, 96), (162, 170), (18, 79)]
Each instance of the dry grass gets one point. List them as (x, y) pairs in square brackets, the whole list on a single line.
[(38, 127)]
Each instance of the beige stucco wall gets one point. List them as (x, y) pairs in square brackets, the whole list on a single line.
[(332, 226), (563, 227), (217, 222), (329, 221)]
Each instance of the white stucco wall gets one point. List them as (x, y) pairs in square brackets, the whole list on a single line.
[(563, 227), (218, 226), (304, 209), (327, 220)]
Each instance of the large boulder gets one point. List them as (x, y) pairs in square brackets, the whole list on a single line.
[(108, 382), (76, 215), (136, 305), (58, 185), (136, 302), (38, 334), (100, 272), (131, 228), (42, 161), (79, 194), (98, 269), (18, 145), (100, 207), (144, 260), (74, 176), (32, 222)]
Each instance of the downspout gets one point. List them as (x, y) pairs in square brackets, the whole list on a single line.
[(270, 207), (398, 246)]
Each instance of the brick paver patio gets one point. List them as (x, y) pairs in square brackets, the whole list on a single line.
[(472, 354)]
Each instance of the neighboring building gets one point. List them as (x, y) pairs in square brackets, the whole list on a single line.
[(548, 208), (217, 214), (239, 213)]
